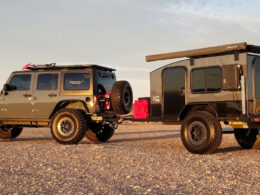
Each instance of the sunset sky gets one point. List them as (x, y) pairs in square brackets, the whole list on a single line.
[(119, 33)]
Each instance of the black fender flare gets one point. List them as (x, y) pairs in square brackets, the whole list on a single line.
[(198, 107), (63, 103)]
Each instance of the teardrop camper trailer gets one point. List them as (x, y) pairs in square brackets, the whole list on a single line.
[(215, 84)]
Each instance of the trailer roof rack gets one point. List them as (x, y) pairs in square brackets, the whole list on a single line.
[(54, 66), (204, 52)]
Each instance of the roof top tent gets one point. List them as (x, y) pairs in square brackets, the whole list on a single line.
[(210, 76)]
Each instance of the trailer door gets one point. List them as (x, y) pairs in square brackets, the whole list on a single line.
[(173, 91), (256, 83)]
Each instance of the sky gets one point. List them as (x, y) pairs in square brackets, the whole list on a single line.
[(119, 33)]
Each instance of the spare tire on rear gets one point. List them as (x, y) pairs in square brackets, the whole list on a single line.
[(121, 97)]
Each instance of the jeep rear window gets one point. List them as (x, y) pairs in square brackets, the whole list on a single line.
[(76, 81), (21, 82), (47, 82), (206, 79)]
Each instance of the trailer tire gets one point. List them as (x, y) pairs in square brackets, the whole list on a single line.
[(246, 137), (121, 97), (99, 134), (10, 133), (201, 133)]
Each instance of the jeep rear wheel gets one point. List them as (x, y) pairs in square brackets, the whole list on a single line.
[(246, 137), (68, 126), (99, 133), (201, 133), (121, 97), (10, 132)]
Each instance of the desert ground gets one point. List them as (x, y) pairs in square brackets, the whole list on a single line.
[(139, 159)]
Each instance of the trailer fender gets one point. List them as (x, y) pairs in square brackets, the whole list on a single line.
[(197, 107)]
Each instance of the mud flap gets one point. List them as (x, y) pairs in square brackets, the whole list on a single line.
[(256, 145)]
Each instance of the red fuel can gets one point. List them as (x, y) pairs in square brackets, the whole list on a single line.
[(141, 109)]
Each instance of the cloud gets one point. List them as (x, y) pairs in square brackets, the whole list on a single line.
[(188, 12), (119, 33)]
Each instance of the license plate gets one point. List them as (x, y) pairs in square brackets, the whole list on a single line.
[(97, 118)]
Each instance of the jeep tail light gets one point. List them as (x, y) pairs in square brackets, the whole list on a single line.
[(107, 95), (108, 101)]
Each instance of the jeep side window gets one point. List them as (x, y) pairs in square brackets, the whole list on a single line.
[(47, 82), (21, 82), (206, 79), (76, 81)]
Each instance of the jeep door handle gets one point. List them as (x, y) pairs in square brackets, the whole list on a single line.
[(27, 95), (52, 95)]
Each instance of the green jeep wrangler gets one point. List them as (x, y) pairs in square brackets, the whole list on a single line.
[(74, 101)]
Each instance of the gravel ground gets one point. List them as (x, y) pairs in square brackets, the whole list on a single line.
[(139, 159)]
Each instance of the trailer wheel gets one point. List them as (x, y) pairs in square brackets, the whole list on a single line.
[(99, 133), (121, 97), (201, 133), (10, 132), (246, 137)]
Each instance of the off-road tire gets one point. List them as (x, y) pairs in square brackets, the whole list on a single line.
[(201, 133), (121, 97), (10, 133), (68, 120), (100, 135), (246, 137)]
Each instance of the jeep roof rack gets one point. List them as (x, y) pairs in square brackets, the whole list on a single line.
[(53, 66), (204, 52)]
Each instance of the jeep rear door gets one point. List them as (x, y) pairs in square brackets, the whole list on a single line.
[(45, 95), (17, 104)]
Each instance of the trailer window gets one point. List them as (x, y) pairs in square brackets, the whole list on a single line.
[(206, 79)]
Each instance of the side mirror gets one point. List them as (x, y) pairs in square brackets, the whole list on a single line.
[(6, 87)]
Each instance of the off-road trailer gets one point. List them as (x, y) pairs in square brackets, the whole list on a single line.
[(214, 84)]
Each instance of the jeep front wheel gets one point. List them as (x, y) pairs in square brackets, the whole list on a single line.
[(201, 133), (68, 126), (100, 133), (10, 132)]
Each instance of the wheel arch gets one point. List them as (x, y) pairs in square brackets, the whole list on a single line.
[(74, 104), (193, 107)]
